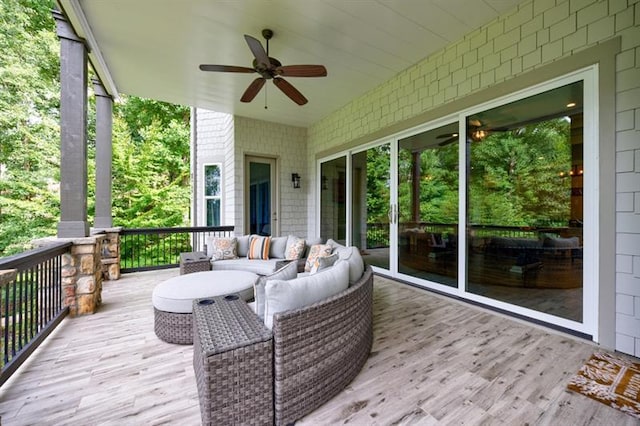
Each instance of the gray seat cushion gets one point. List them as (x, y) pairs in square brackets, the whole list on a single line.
[(177, 294), (257, 266)]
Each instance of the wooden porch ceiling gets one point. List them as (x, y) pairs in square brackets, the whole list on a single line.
[(152, 48), (434, 361)]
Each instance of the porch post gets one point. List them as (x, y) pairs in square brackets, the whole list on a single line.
[(73, 131), (104, 123), (415, 186)]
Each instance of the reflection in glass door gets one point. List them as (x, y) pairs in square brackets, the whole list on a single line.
[(428, 205), (333, 200), (370, 191), (525, 210)]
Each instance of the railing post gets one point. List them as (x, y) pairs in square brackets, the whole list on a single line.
[(110, 253), (81, 274), (7, 275)]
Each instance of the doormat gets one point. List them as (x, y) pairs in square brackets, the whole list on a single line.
[(612, 380)]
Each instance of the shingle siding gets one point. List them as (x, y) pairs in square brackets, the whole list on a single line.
[(537, 33), (288, 145)]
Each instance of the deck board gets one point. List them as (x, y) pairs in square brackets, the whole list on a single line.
[(434, 361)]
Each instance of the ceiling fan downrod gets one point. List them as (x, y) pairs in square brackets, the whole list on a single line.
[(267, 34)]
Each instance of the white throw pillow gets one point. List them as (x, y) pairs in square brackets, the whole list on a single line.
[(287, 272), (283, 296), (334, 244)]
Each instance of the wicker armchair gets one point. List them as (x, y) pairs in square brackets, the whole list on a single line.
[(320, 349)]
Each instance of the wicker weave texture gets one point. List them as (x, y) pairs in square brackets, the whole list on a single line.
[(319, 349), (172, 327), (196, 261), (233, 362)]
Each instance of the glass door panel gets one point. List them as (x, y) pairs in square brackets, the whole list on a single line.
[(524, 196), (333, 200), (370, 185), (428, 205), (261, 212)]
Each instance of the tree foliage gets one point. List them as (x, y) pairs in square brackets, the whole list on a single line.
[(150, 140), (513, 179), (29, 105)]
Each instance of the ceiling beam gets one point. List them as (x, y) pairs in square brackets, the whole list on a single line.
[(73, 10)]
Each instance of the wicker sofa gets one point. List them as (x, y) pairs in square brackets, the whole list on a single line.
[(320, 349), (239, 260)]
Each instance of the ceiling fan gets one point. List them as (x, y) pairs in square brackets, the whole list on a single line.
[(476, 130), (270, 69)]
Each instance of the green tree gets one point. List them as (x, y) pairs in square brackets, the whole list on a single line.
[(29, 104), (150, 140), (150, 164), (514, 178)]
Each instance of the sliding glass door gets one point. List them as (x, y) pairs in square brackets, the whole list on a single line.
[(370, 206), (428, 205), (524, 193), (496, 205)]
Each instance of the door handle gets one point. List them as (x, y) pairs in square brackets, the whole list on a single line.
[(393, 214)]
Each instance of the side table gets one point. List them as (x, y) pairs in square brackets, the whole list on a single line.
[(233, 362), (194, 261)]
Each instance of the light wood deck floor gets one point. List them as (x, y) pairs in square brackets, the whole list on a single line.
[(434, 361)]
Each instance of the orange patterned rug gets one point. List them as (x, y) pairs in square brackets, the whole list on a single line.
[(612, 380)]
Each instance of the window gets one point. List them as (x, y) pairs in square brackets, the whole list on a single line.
[(212, 194)]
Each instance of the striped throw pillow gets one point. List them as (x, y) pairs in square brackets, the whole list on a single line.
[(259, 248)]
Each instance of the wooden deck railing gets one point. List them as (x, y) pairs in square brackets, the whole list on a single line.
[(145, 249), (31, 303)]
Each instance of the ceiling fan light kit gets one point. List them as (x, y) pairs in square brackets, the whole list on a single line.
[(269, 69)]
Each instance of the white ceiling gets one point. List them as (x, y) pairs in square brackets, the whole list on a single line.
[(152, 48)]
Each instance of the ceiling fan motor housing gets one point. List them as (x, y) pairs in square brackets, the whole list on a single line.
[(267, 72)]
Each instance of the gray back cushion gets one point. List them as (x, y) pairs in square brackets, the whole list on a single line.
[(277, 247), (243, 245), (287, 272)]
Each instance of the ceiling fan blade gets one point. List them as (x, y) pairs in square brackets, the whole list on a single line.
[(225, 68), (258, 51), (290, 91), (447, 135), (449, 141), (302, 71), (252, 90)]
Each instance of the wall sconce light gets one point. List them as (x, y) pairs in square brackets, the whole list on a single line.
[(295, 178)]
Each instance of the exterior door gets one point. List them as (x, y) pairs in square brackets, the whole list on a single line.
[(261, 195)]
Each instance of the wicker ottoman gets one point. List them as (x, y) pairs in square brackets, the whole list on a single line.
[(233, 363), (194, 261), (173, 299)]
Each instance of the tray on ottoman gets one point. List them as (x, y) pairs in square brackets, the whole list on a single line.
[(194, 261), (233, 362)]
